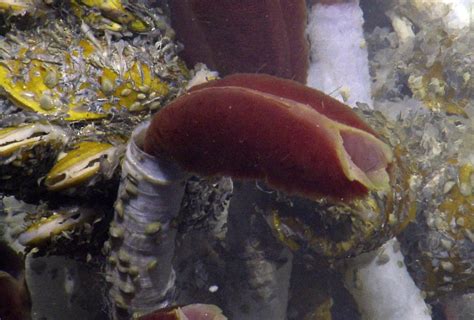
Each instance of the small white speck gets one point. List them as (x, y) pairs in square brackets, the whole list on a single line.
[(213, 288)]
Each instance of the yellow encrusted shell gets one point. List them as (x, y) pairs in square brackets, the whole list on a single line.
[(81, 164)]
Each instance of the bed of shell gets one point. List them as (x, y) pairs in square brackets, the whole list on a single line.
[(76, 77)]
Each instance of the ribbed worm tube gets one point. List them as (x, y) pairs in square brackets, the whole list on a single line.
[(142, 242)]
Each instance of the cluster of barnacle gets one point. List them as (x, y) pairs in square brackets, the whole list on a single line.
[(430, 65), (439, 245), (428, 62), (76, 77)]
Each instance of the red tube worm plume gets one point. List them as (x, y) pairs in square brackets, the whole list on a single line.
[(297, 139), (244, 36), (14, 298), (189, 312), (330, 2), (15, 302)]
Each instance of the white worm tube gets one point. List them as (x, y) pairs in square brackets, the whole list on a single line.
[(383, 289), (339, 59), (142, 242)]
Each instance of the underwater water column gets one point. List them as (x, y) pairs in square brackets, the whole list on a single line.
[(141, 248)]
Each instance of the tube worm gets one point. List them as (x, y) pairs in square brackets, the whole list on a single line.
[(15, 301), (244, 36), (189, 312), (298, 148), (292, 90), (141, 245), (296, 139)]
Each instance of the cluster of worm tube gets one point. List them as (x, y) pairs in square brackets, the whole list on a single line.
[(256, 275), (255, 279), (142, 244)]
